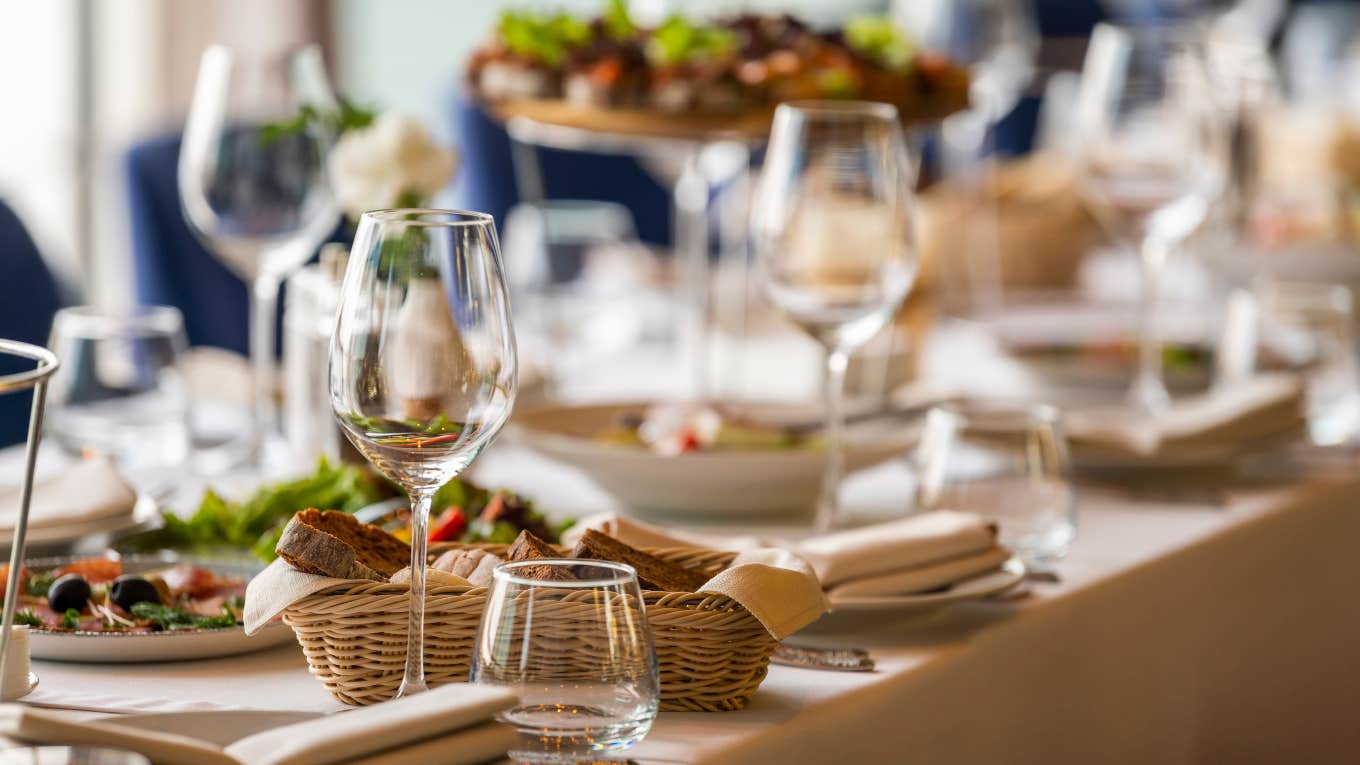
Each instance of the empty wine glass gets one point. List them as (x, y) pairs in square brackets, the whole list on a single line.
[(577, 653), (831, 224), (422, 363), (252, 180), (1152, 160), (1007, 463)]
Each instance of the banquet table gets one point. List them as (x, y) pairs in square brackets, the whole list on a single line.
[(1186, 627)]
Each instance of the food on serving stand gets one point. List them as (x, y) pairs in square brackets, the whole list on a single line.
[(674, 429), (95, 595), (726, 69)]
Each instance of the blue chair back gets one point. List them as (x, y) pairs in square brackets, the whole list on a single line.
[(28, 299)]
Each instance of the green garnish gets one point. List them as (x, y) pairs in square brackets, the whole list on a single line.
[(171, 618), (678, 40), (877, 38), (71, 619), (27, 617), (38, 584), (345, 117), (617, 23), (543, 38)]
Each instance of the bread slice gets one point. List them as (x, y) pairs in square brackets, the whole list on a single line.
[(473, 565), (336, 544), (653, 573), (529, 547)]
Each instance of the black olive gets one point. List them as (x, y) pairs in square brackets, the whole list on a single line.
[(70, 591), (128, 591)]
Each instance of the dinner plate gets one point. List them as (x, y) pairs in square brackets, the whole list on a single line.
[(1011, 573), (147, 647), (717, 484), (144, 515)]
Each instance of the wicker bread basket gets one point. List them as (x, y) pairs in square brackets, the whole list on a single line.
[(712, 652)]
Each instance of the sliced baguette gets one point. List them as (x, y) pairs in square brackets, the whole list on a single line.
[(653, 573), (529, 547), (336, 544)]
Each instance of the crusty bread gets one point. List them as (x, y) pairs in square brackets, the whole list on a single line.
[(336, 544), (653, 573), (529, 547), (473, 565)]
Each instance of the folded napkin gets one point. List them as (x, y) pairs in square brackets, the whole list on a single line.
[(89, 492), (895, 547), (451, 724), (1259, 408)]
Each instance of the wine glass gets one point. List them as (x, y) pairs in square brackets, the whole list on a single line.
[(252, 181), (1152, 160), (1006, 462), (422, 362), (577, 653), (831, 225)]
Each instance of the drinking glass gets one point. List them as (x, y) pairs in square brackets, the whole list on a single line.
[(422, 362), (120, 390), (831, 226), (1152, 160), (577, 653), (1007, 463), (252, 181)]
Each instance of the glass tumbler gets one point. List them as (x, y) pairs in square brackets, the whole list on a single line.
[(578, 653), (120, 390), (1008, 464)]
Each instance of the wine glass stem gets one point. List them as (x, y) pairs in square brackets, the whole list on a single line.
[(1149, 389), (828, 507), (413, 681), (264, 301)]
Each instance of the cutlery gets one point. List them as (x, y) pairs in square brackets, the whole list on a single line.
[(834, 659)]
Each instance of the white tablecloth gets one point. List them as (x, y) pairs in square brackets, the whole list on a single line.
[(1180, 633)]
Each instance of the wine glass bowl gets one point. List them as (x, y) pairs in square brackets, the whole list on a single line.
[(831, 225), (423, 361)]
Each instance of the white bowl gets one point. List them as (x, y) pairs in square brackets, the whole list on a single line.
[(722, 484)]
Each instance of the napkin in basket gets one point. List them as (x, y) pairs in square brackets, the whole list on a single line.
[(451, 724), (89, 493), (904, 557), (1255, 410)]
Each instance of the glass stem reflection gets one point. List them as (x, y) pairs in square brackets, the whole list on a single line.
[(1149, 392), (828, 507), (264, 303), (413, 681)]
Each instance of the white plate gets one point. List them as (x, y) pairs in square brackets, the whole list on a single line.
[(1011, 573), (144, 515), (148, 647), (721, 484)]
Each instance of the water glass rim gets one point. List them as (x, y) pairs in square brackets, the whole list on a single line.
[(95, 323), (430, 217), (623, 573), (838, 109), (998, 414)]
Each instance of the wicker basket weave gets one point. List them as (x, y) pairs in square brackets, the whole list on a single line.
[(712, 652)]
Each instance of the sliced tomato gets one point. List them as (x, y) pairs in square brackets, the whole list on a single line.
[(449, 526), (94, 570)]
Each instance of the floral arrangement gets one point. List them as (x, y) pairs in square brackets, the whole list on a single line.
[(393, 161)]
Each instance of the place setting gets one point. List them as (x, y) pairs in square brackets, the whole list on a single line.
[(691, 386)]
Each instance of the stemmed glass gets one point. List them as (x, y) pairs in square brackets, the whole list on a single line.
[(422, 363), (252, 181), (1152, 158), (831, 226)]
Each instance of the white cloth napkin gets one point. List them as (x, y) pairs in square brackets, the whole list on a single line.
[(450, 724), (888, 548), (923, 578), (1259, 408), (89, 492)]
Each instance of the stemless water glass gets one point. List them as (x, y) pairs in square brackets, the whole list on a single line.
[(422, 363), (252, 180), (1152, 160), (120, 390), (1007, 463), (578, 654), (831, 223)]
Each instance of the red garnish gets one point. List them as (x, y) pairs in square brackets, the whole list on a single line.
[(449, 526), (93, 570)]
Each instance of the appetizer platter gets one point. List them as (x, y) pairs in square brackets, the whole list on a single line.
[(685, 78), (137, 609)]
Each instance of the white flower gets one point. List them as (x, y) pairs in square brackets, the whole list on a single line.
[(371, 168)]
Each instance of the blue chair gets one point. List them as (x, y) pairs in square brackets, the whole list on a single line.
[(29, 297)]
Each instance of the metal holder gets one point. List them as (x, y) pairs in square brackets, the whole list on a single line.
[(37, 380)]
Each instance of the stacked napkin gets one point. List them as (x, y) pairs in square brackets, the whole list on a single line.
[(86, 498), (904, 557), (1223, 421), (451, 724)]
